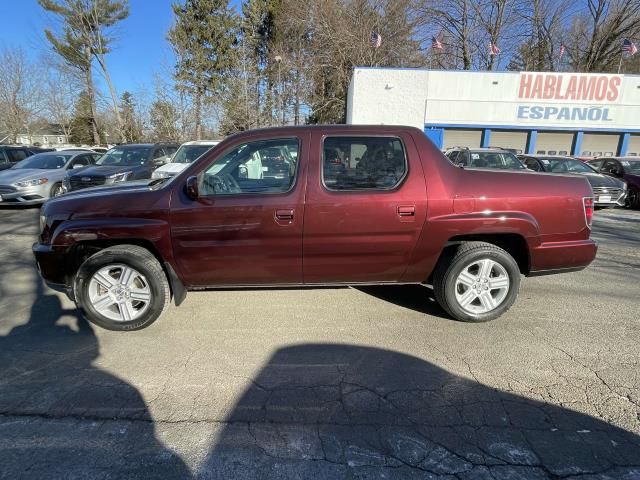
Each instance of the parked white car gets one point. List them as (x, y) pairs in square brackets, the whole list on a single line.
[(187, 153)]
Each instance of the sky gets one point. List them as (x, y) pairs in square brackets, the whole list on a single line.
[(140, 52)]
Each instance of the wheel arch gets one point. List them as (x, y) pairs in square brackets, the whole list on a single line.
[(82, 250), (513, 243)]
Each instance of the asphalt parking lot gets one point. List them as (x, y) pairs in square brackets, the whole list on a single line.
[(327, 383)]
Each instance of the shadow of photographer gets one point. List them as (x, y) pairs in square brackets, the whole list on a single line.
[(61, 416), (346, 411)]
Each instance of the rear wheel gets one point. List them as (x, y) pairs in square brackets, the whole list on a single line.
[(122, 288), (477, 283)]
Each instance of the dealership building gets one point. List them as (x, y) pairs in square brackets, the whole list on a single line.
[(545, 113)]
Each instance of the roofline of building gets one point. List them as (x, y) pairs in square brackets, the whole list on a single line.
[(493, 72)]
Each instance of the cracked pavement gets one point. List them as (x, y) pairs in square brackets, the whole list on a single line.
[(326, 383)]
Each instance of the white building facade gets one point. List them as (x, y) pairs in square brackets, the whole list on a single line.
[(544, 113)]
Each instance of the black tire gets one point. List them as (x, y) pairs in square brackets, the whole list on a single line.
[(56, 190), (451, 265), (140, 259), (633, 199)]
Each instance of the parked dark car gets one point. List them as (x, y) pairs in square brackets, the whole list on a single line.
[(608, 192), (623, 168), (12, 154), (497, 158), (398, 212), (122, 164)]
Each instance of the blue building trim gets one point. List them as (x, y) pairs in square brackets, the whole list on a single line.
[(485, 140), (539, 128), (532, 139), (623, 144), (576, 147)]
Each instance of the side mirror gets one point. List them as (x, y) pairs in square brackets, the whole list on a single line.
[(618, 172), (191, 188)]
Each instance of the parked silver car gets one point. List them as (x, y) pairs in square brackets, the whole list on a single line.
[(39, 177)]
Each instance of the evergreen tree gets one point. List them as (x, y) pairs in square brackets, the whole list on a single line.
[(131, 125), (82, 123), (204, 38), (83, 39)]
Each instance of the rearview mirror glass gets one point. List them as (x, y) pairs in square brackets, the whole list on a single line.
[(191, 188)]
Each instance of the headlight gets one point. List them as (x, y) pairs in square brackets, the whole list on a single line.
[(32, 183), (624, 185), (43, 222), (118, 177), (157, 174)]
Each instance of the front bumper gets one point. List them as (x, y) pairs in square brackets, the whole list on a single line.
[(24, 196), (51, 263), (558, 257)]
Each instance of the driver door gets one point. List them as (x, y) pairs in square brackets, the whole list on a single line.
[(245, 227)]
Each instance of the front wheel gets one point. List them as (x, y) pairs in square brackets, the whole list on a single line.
[(122, 288), (56, 190), (633, 199), (478, 283)]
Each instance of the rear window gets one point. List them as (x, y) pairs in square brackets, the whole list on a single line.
[(363, 163)]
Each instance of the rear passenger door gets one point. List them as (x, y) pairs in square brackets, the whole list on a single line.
[(366, 205)]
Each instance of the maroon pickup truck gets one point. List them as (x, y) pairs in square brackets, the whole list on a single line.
[(321, 205)]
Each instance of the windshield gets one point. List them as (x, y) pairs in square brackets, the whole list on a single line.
[(124, 156), (489, 159), (44, 161), (566, 165), (631, 166), (189, 153)]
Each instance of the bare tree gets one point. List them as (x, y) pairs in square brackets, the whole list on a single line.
[(20, 92), (61, 92), (597, 33)]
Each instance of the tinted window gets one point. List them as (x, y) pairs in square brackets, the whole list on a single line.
[(363, 163), (596, 164), (81, 160), (188, 153), (45, 161), (492, 159), (16, 155), (263, 166), (453, 156), (565, 165), (631, 166), (124, 156), (3, 157), (533, 164), (610, 166), (160, 152)]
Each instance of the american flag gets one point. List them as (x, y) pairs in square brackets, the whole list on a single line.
[(435, 43), (562, 49), (376, 39), (493, 49), (629, 47)]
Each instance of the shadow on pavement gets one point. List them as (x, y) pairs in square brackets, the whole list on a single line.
[(336, 411), (418, 298), (62, 417)]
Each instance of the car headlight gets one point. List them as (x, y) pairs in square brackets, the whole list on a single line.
[(43, 222), (118, 177), (624, 185), (157, 174), (32, 183)]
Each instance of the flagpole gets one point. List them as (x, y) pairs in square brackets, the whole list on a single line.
[(620, 64)]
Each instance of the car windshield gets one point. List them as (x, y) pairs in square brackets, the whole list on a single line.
[(189, 153), (124, 156), (631, 166), (566, 165), (489, 159), (45, 161)]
